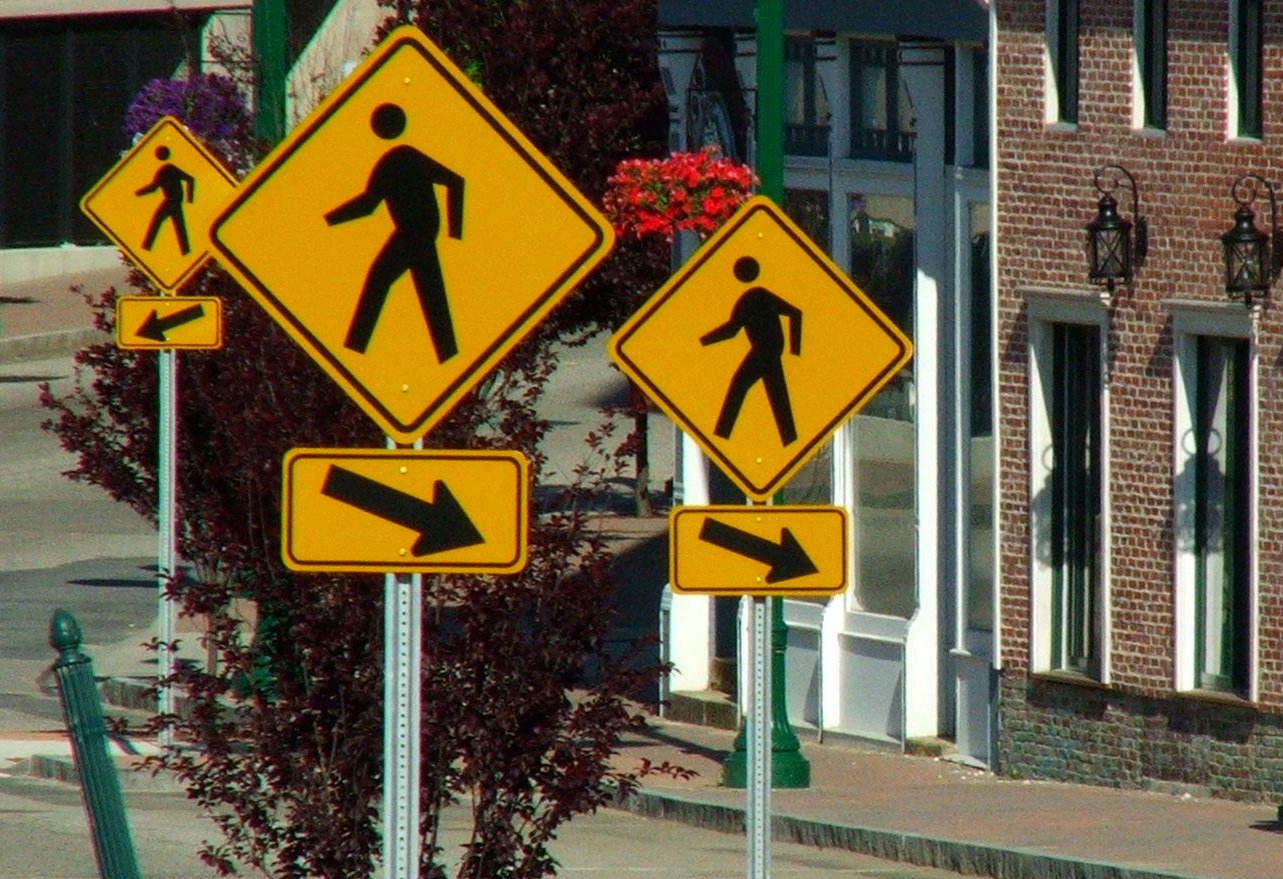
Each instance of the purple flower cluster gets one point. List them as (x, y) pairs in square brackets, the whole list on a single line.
[(210, 105)]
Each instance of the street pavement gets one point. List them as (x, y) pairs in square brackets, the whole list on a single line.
[(70, 545)]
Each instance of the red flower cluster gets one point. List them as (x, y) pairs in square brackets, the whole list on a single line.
[(685, 191)]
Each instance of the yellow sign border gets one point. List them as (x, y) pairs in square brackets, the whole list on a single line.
[(603, 237), (142, 144), (676, 550), (766, 488), (521, 514), (134, 345)]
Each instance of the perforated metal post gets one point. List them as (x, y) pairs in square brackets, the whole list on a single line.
[(759, 746), (166, 525), (402, 617), (99, 783)]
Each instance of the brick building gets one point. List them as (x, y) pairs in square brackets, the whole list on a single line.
[(1140, 520)]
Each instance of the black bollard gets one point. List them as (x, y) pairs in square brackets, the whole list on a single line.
[(99, 783)]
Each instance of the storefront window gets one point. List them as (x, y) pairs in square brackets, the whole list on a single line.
[(980, 582), (881, 434)]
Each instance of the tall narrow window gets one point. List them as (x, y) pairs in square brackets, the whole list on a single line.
[(806, 106), (1150, 34), (881, 114), (1245, 52), (1062, 58), (1215, 499), (1222, 464), (1075, 496), (980, 108)]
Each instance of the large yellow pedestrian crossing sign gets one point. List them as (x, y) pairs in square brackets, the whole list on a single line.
[(407, 235), (157, 202), (759, 347)]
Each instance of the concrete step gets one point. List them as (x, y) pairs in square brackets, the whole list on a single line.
[(61, 768), (704, 708)]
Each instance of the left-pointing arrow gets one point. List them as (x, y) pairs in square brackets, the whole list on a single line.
[(155, 327), (441, 523)]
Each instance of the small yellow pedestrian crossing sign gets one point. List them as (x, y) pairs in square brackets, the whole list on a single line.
[(157, 202)]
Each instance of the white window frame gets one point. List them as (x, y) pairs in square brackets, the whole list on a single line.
[(1190, 320), (1045, 309)]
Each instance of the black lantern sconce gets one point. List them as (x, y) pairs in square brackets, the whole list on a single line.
[(1112, 255), (1252, 258)]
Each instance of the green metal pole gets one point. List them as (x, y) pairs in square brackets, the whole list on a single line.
[(104, 802), (269, 31), (769, 161), (789, 769)]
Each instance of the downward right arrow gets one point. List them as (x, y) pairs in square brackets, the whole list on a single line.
[(787, 559)]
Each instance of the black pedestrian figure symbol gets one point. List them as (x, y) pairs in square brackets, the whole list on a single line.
[(173, 182), (759, 312), (404, 178)]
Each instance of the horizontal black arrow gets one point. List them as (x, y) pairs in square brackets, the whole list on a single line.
[(155, 327), (442, 524), (786, 558)]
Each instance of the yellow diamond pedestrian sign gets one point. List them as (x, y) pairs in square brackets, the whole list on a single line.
[(406, 511), (798, 551), (157, 202), (407, 235), (759, 347)]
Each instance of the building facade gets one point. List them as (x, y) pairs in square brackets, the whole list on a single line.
[(887, 169), (68, 72), (1139, 520)]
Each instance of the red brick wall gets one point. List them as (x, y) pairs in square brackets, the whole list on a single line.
[(1044, 196)]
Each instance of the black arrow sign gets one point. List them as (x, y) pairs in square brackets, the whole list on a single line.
[(787, 558), (155, 327), (442, 524)]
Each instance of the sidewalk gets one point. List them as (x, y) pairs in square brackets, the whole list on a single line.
[(933, 812), (918, 810), (46, 318)]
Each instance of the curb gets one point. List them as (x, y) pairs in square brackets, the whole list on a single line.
[(968, 858), (52, 344), (61, 768)]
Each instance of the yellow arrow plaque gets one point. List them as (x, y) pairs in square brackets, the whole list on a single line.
[(169, 322), (405, 511), (795, 551)]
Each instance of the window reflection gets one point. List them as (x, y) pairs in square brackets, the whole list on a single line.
[(881, 435)]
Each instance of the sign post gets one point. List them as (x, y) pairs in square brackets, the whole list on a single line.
[(402, 625), (748, 348), (167, 526), (447, 238), (155, 204)]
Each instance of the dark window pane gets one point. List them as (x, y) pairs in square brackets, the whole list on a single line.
[(33, 137), (1247, 68), (1151, 47), (1221, 497), (1075, 504), (67, 84)]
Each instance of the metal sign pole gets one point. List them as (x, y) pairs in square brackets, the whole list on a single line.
[(402, 658), (166, 527), (403, 613), (759, 745)]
